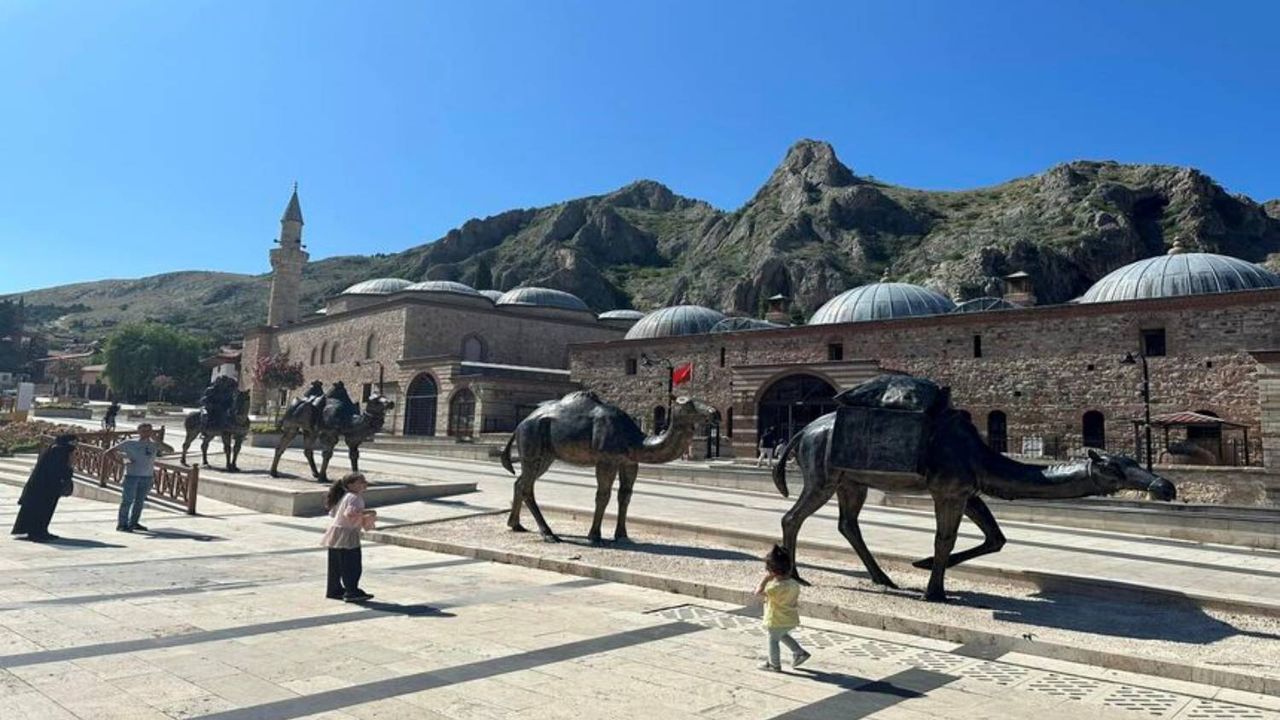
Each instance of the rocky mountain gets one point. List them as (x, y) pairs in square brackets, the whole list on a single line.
[(814, 229)]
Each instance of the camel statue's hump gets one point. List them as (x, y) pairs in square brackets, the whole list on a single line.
[(898, 392)]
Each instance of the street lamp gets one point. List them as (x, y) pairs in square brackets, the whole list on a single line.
[(381, 371), (1146, 396), (671, 376)]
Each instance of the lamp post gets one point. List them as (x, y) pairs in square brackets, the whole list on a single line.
[(671, 376), (1146, 397), (381, 371)]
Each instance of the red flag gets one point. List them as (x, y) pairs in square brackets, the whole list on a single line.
[(682, 374)]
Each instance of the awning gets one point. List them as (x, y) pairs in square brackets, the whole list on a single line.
[(1187, 418)]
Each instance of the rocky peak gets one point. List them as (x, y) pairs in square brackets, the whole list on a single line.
[(815, 163), (646, 195)]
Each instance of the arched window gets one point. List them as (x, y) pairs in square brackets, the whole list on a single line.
[(473, 349), (728, 423), (324, 352), (313, 356), (420, 406), (659, 419), (369, 345), (462, 413), (1093, 430), (998, 431), (333, 353)]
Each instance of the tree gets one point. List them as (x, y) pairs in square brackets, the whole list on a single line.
[(277, 372), (162, 383), (136, 354), (65, 374)]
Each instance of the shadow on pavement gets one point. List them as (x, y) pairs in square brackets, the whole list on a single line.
[(180, 535), (78, 544), (661, 549), (405, 610)]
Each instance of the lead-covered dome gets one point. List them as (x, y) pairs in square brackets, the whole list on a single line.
[(621, 315), (741, 324), (983, 304), (881, 301), (542, 297), (443, 286), (378, 286), (1180, 274), (676, 320), (494, 295)]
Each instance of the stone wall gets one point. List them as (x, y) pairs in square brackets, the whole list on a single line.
[(1043, 367)]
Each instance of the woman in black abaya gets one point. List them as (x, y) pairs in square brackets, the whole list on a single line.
[(49, 481)]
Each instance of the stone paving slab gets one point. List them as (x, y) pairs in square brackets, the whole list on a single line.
[(237, 627)]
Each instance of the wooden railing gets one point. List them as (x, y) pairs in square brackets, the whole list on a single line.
[(108, 438), (177, 483)]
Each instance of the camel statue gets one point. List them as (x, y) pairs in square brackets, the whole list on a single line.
[(232, 433), (323, 425), (958, 466), (582, 429)]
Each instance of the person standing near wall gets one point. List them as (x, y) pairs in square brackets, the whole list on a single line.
[(50, 480), (139, 457)]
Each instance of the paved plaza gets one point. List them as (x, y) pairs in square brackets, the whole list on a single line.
[(223, 616)]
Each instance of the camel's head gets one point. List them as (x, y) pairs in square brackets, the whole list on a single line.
[(377, 406), (691, 408), (1117, 472)]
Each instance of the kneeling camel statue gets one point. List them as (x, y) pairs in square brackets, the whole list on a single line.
[(959, 466)]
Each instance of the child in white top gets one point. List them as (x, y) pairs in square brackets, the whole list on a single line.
[(346, 506)]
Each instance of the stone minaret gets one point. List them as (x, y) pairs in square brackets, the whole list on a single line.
[(286, 266)]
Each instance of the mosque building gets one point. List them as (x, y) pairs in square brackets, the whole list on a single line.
[(456, 361)]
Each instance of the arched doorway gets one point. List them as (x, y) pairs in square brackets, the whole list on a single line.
[(1093, 431), (998, 431), (793, 402), (462, 413), (420, 406)]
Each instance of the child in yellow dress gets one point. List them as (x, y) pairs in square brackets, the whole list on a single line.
[(781, 595)]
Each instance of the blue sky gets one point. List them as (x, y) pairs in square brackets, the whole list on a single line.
[(146, 137)]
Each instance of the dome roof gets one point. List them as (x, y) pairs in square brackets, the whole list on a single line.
[(542, 297), (676, 320), (494, 295), (377, 286), (881, 301), (738, 324), (1180, 274), (983, 304), (621, 315), (443, 286)]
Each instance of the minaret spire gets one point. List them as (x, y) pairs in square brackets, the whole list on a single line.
[(287, 262), (293, 212)]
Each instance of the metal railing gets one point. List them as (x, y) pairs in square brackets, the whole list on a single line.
[(1067, 447), (176, 483)]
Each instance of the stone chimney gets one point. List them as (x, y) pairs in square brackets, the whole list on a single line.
[(779, 310), (1018, 289)]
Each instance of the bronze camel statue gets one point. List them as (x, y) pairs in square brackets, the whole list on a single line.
[(323, 426), (232, 433), (582, 429), (959, 466)]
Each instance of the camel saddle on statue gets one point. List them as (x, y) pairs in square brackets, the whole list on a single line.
[(884, 424)]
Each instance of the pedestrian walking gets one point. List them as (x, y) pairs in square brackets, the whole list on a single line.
[(766, 447), (345, 503), (109, 419), (50, 480), (139, 457), (781, 595)]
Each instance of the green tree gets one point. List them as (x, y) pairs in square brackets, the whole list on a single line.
[(136, 354)]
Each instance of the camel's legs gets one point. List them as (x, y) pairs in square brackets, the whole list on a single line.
[(286, 439), (947, 512), (530, 470), (204, 448), (326, 454), (186, 443), (851, 497), (237, 441), (309, 450), (605, 473), (813, 497), (353, 452), (992, 538), (626, 482), (226, 448)]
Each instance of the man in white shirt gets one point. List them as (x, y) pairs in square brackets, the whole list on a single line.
[(139, 458)]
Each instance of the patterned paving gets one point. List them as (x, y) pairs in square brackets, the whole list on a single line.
[(1141, 701)]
